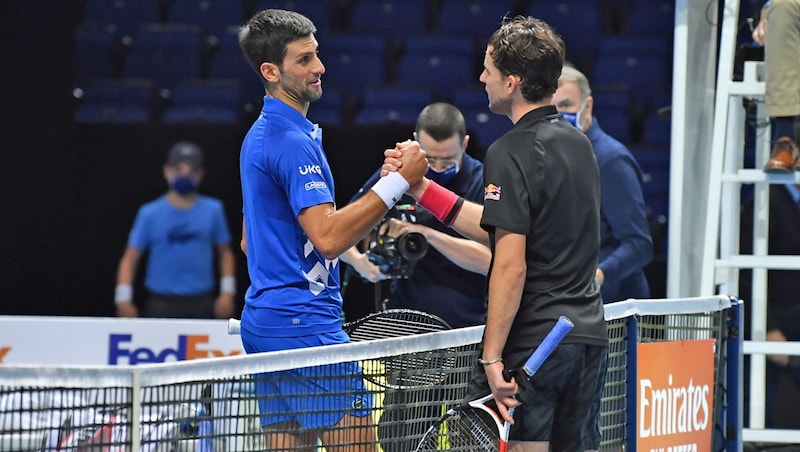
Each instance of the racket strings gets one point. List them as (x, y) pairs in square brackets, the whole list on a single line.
[(388, 324), (473, 429), (406, 370)]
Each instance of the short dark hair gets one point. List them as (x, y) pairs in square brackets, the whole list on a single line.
[(266, 35), (530, 49), (441, 120)]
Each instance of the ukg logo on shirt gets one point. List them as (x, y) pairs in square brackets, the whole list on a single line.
[(313, 169)]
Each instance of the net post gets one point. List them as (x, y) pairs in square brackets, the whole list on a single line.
[(734, 372), (134, 436), (631, 341)]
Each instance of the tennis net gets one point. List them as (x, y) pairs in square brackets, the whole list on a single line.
[(211, 405)]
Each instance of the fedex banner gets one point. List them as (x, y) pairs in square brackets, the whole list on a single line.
[(675, 396), (114, 341)]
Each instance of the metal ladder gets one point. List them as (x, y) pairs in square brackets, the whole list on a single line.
[(721, 258)]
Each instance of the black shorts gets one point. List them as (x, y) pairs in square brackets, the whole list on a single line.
[(177, 306), (560, 404)]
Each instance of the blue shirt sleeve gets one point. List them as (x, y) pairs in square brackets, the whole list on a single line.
[(622, 204), (304, 173), (139, 236)]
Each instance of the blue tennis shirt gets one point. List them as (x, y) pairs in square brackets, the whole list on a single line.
[(294, 291)]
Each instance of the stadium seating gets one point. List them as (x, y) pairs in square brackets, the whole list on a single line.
[(204, 101), (443, 73), (656, 131), (94, 51), (166, 53), (635, 46), (226, 61), (644, 76), (126, 15), (392, 105), (393, 19), (579, 22), (652, 18), (115, 101), (353, 62), (211, 16), (318, 11), (476, 19)]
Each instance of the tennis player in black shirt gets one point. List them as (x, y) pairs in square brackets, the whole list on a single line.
[(541, 218)]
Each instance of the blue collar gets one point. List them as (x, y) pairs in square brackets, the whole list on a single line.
[(277, 107), (594, 131)]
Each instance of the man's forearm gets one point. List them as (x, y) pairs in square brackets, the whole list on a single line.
[(466, 253)]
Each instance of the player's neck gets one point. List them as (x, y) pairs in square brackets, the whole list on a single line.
[(521, 108)]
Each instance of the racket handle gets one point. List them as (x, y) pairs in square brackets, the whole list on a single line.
[(234, 327), (561, 328)]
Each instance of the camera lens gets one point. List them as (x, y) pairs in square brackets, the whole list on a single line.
[(412, 245)]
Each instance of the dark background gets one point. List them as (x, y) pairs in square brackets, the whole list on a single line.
[(69, 193)]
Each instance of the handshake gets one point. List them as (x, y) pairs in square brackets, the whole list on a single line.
[(403, 170), (409, 160)]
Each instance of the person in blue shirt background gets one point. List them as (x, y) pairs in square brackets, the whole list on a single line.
[(181, 231), (625, 242)]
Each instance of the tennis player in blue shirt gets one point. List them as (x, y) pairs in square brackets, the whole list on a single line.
[(293, 235)]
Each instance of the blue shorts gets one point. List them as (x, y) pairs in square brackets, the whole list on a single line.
[(313, 397), (559, 403)]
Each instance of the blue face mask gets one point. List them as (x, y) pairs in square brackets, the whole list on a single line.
[(574, 118), (183, 185), (444, 176)]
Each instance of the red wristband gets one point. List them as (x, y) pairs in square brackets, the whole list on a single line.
[(441, 202)]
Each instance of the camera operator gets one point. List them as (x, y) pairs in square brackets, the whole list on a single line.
[(449, 281)]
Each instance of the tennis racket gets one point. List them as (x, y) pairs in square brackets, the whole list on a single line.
[(401, 371), (380, 325), (406, 370), (475, 426)]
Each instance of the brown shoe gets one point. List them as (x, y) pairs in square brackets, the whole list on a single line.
[(783, 155)]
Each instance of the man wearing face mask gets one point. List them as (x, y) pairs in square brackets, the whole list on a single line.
[(181, 231), (450, 280), (625, 242)]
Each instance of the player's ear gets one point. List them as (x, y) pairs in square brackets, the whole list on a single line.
[(512, 82), (270, 72), (465, 143)]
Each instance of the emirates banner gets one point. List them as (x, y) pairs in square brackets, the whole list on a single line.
[(675, 396)]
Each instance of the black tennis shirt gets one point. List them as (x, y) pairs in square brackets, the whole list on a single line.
[(541, 180)]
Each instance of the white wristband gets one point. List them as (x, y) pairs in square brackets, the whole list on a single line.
[(391, 188), (123, 294), (227, 284)]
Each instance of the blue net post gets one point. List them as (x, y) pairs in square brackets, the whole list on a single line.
[(734, 371), (631, 343)]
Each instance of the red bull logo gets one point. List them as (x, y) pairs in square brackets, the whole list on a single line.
[(492, 192)]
